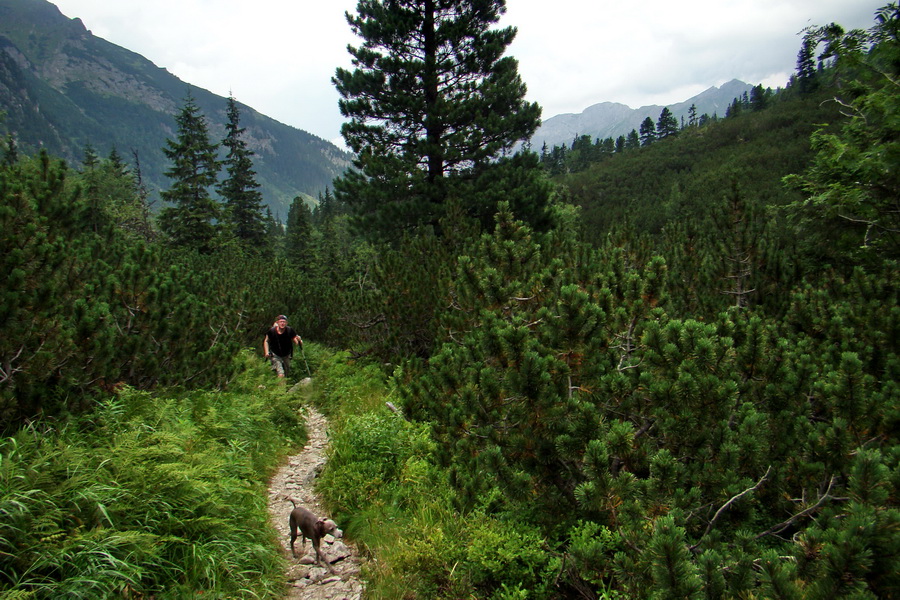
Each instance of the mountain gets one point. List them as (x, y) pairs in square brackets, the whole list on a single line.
[(62, 88), (611, 119)]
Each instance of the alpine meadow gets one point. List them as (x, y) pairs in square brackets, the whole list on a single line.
[(662, 365)]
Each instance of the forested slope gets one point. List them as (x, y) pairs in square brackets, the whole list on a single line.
[(697, 398)]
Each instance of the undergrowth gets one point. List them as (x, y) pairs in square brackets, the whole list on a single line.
[(153, 495), (385, 488)]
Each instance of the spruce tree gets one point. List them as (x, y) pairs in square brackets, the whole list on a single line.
[(431, 100), (191, 220), (298, 233), (112, 189), (239, 189)]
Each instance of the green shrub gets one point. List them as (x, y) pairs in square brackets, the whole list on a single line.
[(502, 555)]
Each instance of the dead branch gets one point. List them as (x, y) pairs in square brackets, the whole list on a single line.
[(734, 499), (785, 524)]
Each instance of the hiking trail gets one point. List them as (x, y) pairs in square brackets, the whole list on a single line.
[(296, 479)]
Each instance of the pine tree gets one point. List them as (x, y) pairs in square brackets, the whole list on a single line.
[(806, 66), (759, 97), (853, 183), (667, 124), (298, 233), (633, 141), (648, 132), (190, 221), (431, 100), (239, 189)]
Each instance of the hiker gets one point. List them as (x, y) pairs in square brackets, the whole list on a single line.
[(278, 345)]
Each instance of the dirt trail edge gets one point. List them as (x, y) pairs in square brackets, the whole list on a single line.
[(295, 479)]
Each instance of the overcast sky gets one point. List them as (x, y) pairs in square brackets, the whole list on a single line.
[(278, 56)]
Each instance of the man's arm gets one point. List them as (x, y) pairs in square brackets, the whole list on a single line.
[(266, 346)]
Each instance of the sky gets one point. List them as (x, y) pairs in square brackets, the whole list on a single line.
[(278, 56)]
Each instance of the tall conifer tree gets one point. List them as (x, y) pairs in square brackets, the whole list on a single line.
[(648, 132), (191, 220), (243, 199), (298, 235), (667, 124), (431, 100)]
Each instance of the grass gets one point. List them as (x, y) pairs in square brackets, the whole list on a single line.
[(164, 496), (153, 495)]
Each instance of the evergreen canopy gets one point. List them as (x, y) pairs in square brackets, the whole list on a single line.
[(191, 220), (431, 98)]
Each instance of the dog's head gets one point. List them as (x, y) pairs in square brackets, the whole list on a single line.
[(329, 527)]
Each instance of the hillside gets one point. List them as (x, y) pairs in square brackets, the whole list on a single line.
[(612, 119), (684, 387), (62, 88), (688, 174)]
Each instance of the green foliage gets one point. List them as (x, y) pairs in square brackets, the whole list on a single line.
[(88, 305), (298, 237), (158, 496), (382, 481), (115, 194), (681, 180), (243, 201), (392, 297), (191, 219), (432, 102), (852, 185), (663, 393)]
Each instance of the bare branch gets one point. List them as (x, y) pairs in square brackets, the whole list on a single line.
[(734, 499), (785, 524)]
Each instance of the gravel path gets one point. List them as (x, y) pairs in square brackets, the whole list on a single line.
[(296, 479)]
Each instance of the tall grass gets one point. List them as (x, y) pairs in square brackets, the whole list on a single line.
[(152, 495)]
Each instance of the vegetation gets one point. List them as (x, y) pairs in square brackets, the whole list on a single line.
[(432, 103), (158, 495), (670, 372)]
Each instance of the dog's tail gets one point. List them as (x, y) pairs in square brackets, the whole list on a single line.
[(291, 500)]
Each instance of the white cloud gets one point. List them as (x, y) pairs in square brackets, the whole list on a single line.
[(278, 56)]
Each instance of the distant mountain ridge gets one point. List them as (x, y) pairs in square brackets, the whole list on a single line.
[(62, 88), (612, 119)]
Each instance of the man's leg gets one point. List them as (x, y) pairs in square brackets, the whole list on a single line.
[(278, 365)]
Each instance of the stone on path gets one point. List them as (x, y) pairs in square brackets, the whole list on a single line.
[(296, 479)]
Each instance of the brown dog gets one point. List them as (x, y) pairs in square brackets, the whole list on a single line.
[(312, 527)]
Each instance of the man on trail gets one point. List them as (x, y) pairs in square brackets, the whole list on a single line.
[(278, 345)]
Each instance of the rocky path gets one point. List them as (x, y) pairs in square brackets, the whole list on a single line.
[(296, 479)]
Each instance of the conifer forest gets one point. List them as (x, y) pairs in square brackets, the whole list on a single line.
[(660, 366)]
